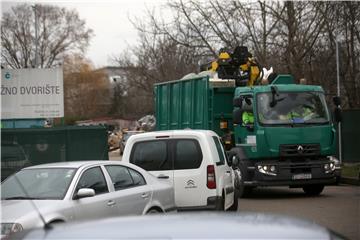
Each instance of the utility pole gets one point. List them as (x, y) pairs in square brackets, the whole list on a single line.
[(338, 93)]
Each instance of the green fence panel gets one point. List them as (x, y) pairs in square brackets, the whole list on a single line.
[(350, 131), (95, 147), (32, 146)]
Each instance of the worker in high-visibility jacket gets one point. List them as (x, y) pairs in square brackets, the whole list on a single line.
[(247, 118), (247, 114)]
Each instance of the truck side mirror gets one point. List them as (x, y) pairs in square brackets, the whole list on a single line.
[(337, 100), (237, 116), (234, 160), (338, 114), (237, 102)]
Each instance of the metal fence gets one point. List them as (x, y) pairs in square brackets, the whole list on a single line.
[(31, 146), (350, 131)]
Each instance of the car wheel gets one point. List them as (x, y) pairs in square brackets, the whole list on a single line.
[(313, 190), (153, 211)]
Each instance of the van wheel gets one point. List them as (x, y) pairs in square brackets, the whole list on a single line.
[(234, 207), (220, 206)]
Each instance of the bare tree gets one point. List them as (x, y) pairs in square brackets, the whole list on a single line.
[(296, 37), (349, 14), (342, 24), (206, 27), (57, 31), (156, 59)]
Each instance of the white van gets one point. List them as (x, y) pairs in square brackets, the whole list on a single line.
[(193, 160)]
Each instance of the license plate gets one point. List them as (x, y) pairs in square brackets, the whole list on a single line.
[(302, 176)]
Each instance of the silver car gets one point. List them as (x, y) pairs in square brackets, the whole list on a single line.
[(60, 192), (205, 225)]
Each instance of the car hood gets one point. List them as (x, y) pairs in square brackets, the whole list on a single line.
[(22, 211)]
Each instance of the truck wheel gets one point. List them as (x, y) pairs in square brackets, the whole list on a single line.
[(313, 190), (239, 182), (240, 173), (243, 191), (234, 207)]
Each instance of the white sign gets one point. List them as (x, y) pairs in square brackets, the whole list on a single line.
[(32, 93)]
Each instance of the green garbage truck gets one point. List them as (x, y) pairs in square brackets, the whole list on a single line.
[(280, 134)]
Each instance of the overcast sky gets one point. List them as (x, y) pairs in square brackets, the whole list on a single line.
[(110, 21)]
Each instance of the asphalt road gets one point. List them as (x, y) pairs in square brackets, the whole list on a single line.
[(337, 208)]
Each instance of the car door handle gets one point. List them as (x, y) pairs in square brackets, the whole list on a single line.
[(145, 195), (111, 203), (228, 171)]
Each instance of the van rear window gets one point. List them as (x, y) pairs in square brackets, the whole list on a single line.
[(151, 155), (188, 154)]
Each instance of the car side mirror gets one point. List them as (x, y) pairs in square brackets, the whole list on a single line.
[(338, 114), (85, 192)]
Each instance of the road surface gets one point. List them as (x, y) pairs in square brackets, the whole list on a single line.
[(337, 208)]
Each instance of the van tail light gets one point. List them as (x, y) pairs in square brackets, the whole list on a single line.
[(211, 179)]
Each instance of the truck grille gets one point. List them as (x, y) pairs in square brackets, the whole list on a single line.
[(299, 150)]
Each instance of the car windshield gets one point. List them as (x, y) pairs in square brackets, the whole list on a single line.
[(44, 183), (292, 108)]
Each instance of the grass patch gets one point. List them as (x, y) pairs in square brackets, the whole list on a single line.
[(350, 170)]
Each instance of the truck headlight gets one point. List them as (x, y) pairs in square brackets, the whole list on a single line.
[(335, 161), (9, 228), (334, 164), (326, 167), (267, 169), (329, 167)]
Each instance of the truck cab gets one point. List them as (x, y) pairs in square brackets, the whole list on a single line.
[(290, 138)]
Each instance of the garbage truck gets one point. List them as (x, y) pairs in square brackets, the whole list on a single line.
[(280, 133)]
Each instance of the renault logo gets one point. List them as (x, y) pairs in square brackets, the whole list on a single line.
[(300, 149)]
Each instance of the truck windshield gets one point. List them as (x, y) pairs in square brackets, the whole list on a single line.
[(292, 108)]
